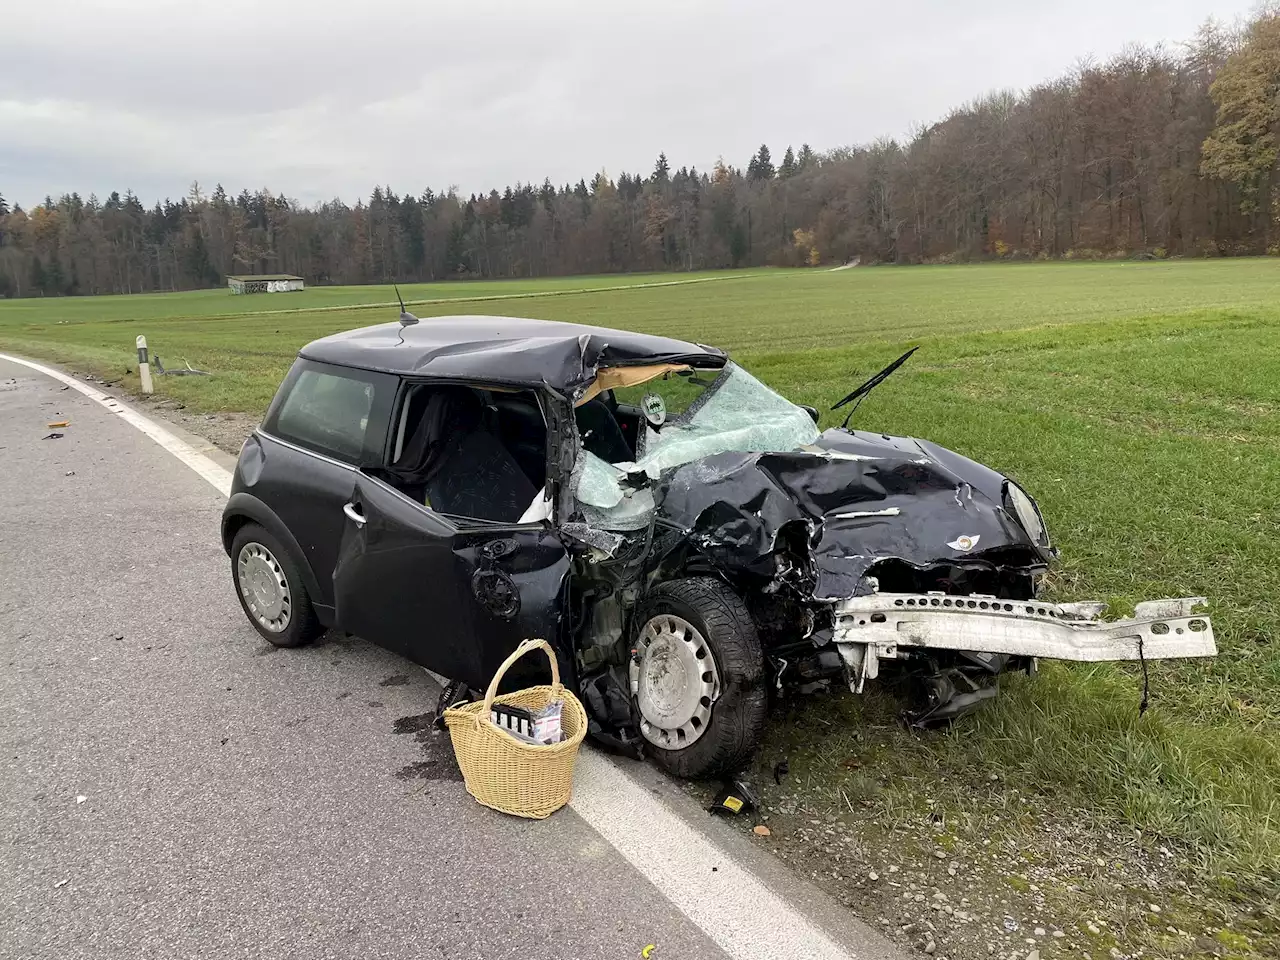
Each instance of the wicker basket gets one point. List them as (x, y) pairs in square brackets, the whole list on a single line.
[(524, 779)]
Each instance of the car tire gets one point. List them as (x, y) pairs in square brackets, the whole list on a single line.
[(254, 551), (737, 717)]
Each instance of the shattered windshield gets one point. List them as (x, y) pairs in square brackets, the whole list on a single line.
[(735, 414)]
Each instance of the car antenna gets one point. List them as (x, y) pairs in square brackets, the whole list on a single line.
[(407, 319), (861, 392)]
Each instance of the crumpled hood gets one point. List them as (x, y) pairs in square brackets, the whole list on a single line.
[(863, 497)]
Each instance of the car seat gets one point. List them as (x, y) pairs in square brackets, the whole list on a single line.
[(600, 432), (478, 477), (519, 425)]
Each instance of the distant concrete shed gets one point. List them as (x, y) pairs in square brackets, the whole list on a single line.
[(265, 283)]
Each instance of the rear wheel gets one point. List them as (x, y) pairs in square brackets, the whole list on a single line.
[(271, 590), (697, 677)]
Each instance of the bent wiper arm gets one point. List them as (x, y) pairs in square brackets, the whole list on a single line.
[(876, 380), (860, 392)]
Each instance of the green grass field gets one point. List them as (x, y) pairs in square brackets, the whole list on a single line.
[(1140, 403)]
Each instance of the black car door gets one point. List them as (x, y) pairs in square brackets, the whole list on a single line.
[(307, 492), (455, 599)]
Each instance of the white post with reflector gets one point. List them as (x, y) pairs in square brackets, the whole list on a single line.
[(144, 365)]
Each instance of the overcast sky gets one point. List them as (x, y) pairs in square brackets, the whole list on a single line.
[(319, 99)]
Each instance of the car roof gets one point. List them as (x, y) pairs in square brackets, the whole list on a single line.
[(509, 350)]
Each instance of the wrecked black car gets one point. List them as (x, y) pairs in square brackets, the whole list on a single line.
[(689, 541)]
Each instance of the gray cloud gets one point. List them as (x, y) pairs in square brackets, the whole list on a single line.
[(321, 99)]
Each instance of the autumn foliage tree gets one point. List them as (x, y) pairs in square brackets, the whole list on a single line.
[(1242, 148)]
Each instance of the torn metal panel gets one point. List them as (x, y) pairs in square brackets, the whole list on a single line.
[(893, 499), (1162, 629)]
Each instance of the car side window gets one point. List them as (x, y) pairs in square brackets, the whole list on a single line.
[(337, 411), (470, 453)]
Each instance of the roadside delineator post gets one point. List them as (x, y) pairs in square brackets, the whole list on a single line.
[(144, 367)]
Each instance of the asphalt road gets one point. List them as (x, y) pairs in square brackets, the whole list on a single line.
[(174, 786)]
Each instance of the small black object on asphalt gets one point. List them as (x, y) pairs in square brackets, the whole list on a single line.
[(455, 691), (780, 770), (52, 436), (735, 797)]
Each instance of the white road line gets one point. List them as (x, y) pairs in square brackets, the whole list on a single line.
[(742, 915), (216, 475)]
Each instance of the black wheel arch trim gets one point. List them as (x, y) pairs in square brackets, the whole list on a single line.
[(244, 507)]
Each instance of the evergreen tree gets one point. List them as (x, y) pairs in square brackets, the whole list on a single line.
[(661, 171), (761, 165), (788, 168)]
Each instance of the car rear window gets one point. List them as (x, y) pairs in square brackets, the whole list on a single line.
[(333, 410)]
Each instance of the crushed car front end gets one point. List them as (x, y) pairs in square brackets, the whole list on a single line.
[(850, 550), (888, 534)]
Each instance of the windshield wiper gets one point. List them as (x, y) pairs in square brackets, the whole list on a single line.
[(860, 393)]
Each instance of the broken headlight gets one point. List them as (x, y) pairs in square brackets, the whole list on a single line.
[(1018, 502)]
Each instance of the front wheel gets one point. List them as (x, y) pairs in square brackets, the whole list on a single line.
[(696, 677)]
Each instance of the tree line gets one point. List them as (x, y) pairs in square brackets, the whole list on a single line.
[(1154, 153)]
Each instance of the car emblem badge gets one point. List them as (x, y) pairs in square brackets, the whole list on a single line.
[(964, 544), (655, 409)]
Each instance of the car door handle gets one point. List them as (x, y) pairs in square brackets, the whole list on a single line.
[(354, 515)]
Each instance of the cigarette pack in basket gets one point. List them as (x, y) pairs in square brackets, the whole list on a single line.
[(503, 772)]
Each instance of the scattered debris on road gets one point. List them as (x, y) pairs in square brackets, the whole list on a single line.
[(760, 830), (53, 436), (55, 424), (735, 797)]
